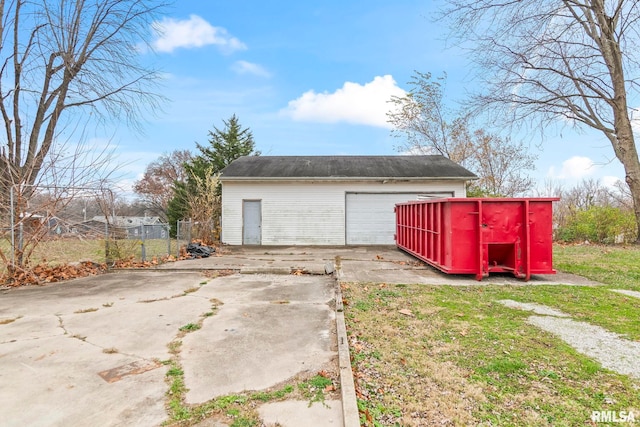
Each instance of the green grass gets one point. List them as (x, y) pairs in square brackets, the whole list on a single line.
[(616, 266), (463, 358), (313, 389), (190, 327)]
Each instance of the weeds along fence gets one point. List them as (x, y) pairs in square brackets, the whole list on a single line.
[(184, 234), (55, 225), (100, 243), (154, 240)]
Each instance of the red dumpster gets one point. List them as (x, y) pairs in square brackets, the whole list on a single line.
[(479, 235)]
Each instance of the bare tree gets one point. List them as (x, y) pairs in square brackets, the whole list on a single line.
[(204, 204), (428, 126), (500, 164), (156, 186), (63, 57), (63, 64), (553, 62)]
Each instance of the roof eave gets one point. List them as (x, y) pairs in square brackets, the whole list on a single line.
[(347, 178)]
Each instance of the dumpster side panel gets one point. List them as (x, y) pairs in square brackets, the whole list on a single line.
[(541, 232), (462, 228)]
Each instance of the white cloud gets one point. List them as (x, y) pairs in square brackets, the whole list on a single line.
[(192, 33), (366, 104), (610, 181), (245, 67), (575, 167)]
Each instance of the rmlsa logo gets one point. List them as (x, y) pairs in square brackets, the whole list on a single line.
[(613, 417)]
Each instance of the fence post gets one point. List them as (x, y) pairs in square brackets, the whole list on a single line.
[(178, 239), (107, 251), (167, 230), (143, 248), (20, 243), (13, 229)]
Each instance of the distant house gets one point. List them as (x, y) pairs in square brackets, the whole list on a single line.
[(125, 227), (328, 200), (51, 224)]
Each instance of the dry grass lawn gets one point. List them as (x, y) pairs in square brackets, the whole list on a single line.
[(441, 355)]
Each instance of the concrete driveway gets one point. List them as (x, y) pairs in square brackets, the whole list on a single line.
[(90, 351)]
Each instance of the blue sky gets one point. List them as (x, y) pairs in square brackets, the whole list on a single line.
[(313, 78)]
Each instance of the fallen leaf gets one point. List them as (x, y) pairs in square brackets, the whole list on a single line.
[(406, 312), (367, 414)]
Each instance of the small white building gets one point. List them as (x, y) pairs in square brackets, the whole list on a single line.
[(328, 200)]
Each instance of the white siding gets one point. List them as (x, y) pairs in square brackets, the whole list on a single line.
[(371, 219), (306, 213)]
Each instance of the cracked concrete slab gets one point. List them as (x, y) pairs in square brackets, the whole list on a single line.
[(67, 334), (55, 381), (142, 329), (88, 351), (289, 413), (269, 329)]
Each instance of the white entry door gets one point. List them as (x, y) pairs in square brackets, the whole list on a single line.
[(251, 222)]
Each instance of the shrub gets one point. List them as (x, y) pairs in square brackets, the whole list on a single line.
[(598, 224)]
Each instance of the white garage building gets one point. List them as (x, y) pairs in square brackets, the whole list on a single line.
[(328, 200)]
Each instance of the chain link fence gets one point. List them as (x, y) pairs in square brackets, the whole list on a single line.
[(54, 226), (184, 230)]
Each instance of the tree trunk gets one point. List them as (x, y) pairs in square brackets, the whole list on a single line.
[(628, 156)]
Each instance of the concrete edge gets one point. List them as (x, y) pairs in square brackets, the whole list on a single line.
[(266, 270), (351, 416)]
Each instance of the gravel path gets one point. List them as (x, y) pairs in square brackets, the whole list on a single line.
[(634, 294), (536, 308), (611, 350)]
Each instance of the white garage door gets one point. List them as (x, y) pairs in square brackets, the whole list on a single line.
[(370, 216)]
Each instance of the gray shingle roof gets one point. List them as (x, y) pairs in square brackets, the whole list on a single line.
[(345, 167)]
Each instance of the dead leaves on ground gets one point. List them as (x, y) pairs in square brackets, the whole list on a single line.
[(43, 273)]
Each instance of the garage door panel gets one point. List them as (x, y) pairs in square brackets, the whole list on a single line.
[(370, 219)]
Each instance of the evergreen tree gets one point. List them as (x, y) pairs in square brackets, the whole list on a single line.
[(225, 145)]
